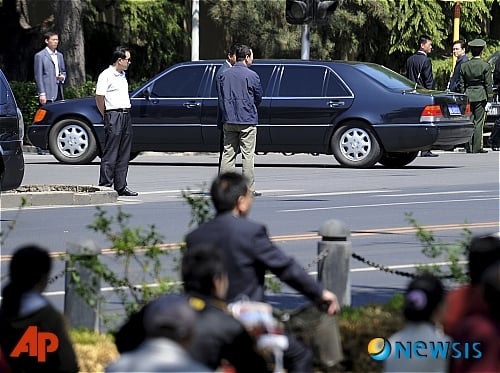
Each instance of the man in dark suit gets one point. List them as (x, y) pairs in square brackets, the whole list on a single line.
[(419, 66), (459, 53), (248, 253), (50, 70), (419, 70), (228, 63), (476, 82)]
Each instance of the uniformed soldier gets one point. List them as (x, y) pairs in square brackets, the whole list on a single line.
[(476, 81)]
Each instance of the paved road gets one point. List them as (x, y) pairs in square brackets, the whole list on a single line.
[(300, 193)]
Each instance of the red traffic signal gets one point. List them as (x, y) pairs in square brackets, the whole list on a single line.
[(299, 12)]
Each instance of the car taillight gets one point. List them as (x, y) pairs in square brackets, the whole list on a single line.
[(467, 110), (431, 113), (39, 115)]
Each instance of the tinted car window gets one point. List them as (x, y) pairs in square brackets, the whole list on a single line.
[(386, 76), (334, 87), (179, 83), (7, 103), (302, 81), (264, 72)]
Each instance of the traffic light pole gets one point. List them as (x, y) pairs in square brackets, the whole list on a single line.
[(305, 42)]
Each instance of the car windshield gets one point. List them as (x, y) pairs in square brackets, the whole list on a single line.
[(386, 77)]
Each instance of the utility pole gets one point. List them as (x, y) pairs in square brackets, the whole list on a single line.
[(306, 45), (195, 31)]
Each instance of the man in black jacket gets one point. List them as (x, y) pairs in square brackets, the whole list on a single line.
[(419, 70), (218, 335), (248, 253)]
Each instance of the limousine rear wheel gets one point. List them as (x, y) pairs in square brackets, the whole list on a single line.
[(355, 145), (72, 141)]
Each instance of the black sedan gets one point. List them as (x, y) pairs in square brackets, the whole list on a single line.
[(11, 138), (362, 113)]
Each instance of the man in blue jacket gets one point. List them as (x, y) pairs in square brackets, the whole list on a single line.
[(228, 63), (241, 93)]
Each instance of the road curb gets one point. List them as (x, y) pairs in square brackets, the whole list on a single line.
[(57, 195)]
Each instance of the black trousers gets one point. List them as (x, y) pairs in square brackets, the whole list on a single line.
[(117, 147)]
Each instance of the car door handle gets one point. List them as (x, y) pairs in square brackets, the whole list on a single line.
[(191, 105), (336, 103)]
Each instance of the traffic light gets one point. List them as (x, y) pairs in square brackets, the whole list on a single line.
[(323, 9), (299, 12)]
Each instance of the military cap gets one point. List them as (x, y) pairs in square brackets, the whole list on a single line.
[(477, 43)]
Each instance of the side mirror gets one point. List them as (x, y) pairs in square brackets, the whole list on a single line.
[(147, 93)]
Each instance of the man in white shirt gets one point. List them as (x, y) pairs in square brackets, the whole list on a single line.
[(112, 99)]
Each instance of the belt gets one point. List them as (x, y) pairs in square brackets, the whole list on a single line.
[(118, 110)]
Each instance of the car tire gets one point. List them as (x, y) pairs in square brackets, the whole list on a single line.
[(354, 145), (72, 141), (397, 160)]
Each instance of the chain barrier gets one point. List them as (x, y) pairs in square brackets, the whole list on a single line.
[(368, 262), (381, 267), (318, 259), (57, 277), (389, 270)]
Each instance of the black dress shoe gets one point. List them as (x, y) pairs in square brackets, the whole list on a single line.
[(256, 194), (127, 192), (428, 153)]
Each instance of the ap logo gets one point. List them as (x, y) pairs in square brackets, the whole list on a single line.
[(36, 344)]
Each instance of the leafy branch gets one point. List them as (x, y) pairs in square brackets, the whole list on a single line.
[(453, 252)]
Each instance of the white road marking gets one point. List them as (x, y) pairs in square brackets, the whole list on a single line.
[(389, 204)]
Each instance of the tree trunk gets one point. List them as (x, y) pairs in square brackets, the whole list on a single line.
[(16, 50), (68, 23)]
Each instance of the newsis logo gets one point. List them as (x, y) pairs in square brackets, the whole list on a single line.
[(380, 349)]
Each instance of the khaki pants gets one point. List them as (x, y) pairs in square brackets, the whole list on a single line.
[(243, 138)]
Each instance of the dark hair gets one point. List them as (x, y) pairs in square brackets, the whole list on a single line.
[(461, 42), (422, 297), (423, 39), (233, 49), (200, 265), (483, 251), (475, 51), (242, 51), (49, 34), (119, 52), (28, 266), (226, 189)]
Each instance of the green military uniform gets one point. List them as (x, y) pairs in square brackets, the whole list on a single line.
[(476, 81)]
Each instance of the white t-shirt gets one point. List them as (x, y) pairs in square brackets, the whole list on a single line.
[(113, 86)]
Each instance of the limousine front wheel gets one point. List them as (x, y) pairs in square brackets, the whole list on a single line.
[(355, 145), (72, 141)]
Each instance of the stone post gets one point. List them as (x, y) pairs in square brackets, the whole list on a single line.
[(78, 312), (333, 268)]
